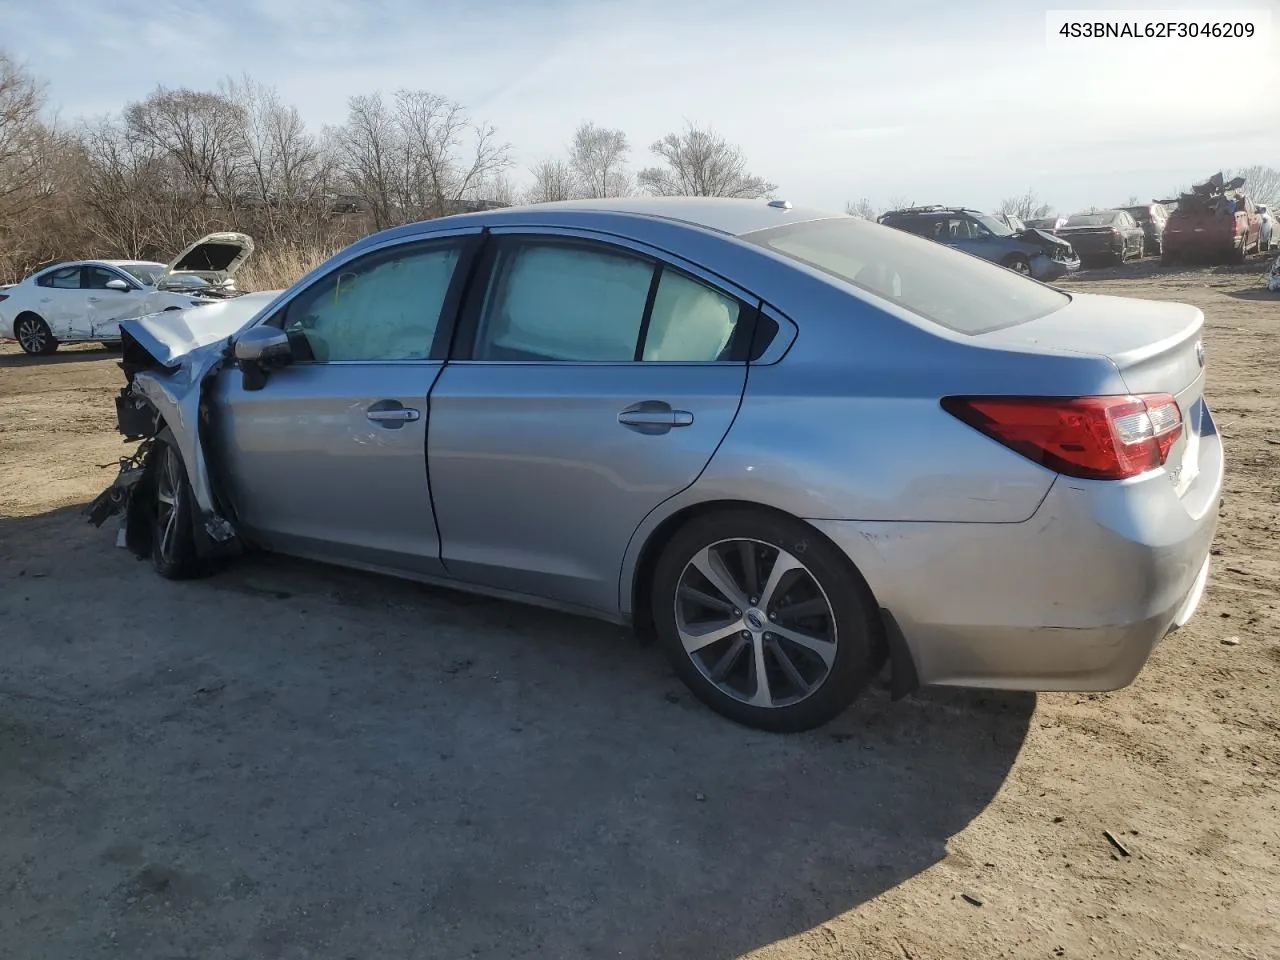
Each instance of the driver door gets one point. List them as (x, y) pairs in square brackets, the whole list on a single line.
[(104, 307), (328, 459)]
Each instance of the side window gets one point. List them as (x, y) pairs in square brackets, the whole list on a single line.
[(68, 278), (385, 306), (563, 301), (691, 321), (95, 278)]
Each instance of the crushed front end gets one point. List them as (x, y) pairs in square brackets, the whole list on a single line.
[(164, 403)]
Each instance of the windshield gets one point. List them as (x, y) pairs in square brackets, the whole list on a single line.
[(998, 227), (952, 289), (1090, 219), (145, 273)]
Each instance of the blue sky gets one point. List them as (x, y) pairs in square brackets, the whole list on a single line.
[(958, 102)]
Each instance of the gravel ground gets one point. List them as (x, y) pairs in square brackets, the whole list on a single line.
[(293, 761)]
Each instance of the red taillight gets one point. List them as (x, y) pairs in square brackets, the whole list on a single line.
[(1094, 438)]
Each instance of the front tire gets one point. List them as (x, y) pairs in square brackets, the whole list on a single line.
[(1018, 264), (33, 335), (765, 620), (173, 546)]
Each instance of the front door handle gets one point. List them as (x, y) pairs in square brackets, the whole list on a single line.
[(391, 414), (94, 299), (402, 415)]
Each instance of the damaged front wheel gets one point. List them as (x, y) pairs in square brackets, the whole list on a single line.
[(173, 548)]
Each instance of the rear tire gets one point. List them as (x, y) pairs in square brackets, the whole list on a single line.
[(813, 631), (33, 335), (173, 545), (1241, 253), (1166, 258)]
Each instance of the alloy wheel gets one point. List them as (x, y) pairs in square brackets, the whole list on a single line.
[(168, 492), (755, 622), (32, 335)]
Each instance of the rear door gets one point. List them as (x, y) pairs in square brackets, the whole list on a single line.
[(61, 302), (592, 380), (328, 459)]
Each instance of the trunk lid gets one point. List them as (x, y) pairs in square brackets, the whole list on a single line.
[(214, 258), (1155, 346)]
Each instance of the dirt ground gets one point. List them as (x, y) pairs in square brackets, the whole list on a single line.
[(290, 761)]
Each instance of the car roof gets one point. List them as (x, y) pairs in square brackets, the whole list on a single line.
[(128, 263), (723, 215)]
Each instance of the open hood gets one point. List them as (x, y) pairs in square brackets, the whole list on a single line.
[(214, 258)]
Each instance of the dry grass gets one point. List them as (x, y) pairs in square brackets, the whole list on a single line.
[(277, 269)]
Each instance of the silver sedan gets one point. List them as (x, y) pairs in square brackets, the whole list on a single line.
[(790, 445)]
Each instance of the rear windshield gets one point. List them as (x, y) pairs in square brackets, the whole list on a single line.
[(952, 289), (1090, 219)]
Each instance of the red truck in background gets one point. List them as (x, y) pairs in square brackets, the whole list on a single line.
[(1214, 221)]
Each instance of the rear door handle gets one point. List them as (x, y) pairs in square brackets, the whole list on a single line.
[(94, 299), (656, 418)]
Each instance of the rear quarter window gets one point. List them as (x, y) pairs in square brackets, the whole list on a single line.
[(952, 289)]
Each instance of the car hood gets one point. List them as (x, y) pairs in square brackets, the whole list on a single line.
[(1046, 241), (215, 258), (170, 336)]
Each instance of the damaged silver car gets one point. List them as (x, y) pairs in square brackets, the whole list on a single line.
[(787, 444)]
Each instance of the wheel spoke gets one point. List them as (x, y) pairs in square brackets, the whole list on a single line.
[(708, 563), (826, 649), (167, 535), (763, 695), (788, 666), (802, 609), (750, 570), (707, 600), (728, 659), (782, 566), (703, 635)]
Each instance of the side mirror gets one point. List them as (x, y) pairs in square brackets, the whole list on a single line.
[(115, 283), (260, 349)]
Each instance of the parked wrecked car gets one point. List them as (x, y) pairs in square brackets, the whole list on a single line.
[(1215, 221), (85, 300), (788, 443), (1151, 217), (1104, 236), (1031, 252)]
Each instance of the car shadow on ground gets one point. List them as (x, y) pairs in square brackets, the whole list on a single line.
[(16, 358), (1151, 268), (1255, 293), (288, 759)]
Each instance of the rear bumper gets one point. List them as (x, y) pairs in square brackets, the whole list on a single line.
[(1075, 598)]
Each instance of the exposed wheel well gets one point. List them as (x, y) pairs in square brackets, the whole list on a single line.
[(641, 614), (25, 313)]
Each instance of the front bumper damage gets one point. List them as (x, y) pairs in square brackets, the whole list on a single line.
[(162, 404), (1056, 258)]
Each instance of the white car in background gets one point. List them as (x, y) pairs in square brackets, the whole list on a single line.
[(1267, 232), (85, 300)]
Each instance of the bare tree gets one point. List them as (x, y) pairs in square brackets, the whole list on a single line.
[(202, 133), (1133, 200), (23, 137), (418, 158), (1260, 182), (699, 162), (552, 180), (1027, 206), (598, 158), (899, 201), (861, 208)]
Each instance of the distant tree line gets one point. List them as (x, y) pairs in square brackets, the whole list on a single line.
[(164, 170)]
